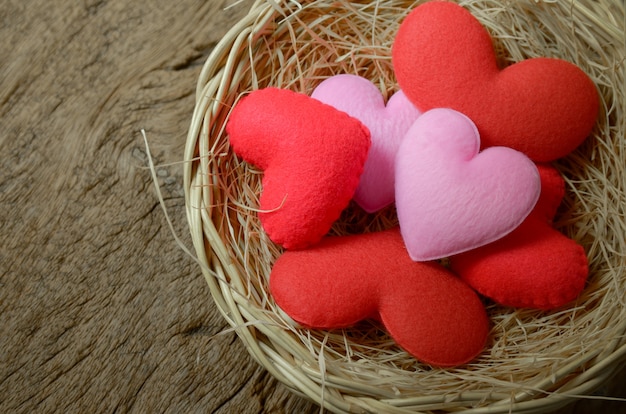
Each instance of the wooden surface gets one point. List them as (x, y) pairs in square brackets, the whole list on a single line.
[(100, 310)]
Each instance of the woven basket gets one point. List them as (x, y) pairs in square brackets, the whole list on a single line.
[(535, 361)]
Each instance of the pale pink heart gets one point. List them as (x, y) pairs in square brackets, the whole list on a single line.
[(450, 197), (361, 99)]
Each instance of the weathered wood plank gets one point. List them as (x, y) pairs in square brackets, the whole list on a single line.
[(100, 309)]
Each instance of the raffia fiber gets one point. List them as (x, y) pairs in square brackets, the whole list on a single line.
[(535, 361)]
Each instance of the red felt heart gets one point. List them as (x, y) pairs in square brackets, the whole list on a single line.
[(342, 280), (312, 156), (535, 266), (543, 107)]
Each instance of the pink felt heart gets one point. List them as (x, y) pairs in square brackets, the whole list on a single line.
[(449, 197), (444, 58), (312, 156), (361, 99)]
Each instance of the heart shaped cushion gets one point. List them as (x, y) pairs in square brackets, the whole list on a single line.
[(443, 57), (312, 156), (361, 99), (535, 266), (449, 197), (342, 280)]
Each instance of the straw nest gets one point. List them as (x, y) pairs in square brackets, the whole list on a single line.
[(535, 361)]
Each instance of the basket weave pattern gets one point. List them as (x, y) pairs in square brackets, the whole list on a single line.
[(533, 360)]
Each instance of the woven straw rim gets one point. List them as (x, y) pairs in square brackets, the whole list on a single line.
[(535, 361)]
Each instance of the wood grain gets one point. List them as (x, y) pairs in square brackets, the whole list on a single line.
[(100, 310)]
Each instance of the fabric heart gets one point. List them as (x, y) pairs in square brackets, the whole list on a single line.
[(449, 197), (342, 280), (360, 98), (535, 266), (312, 156), (444, 58)]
